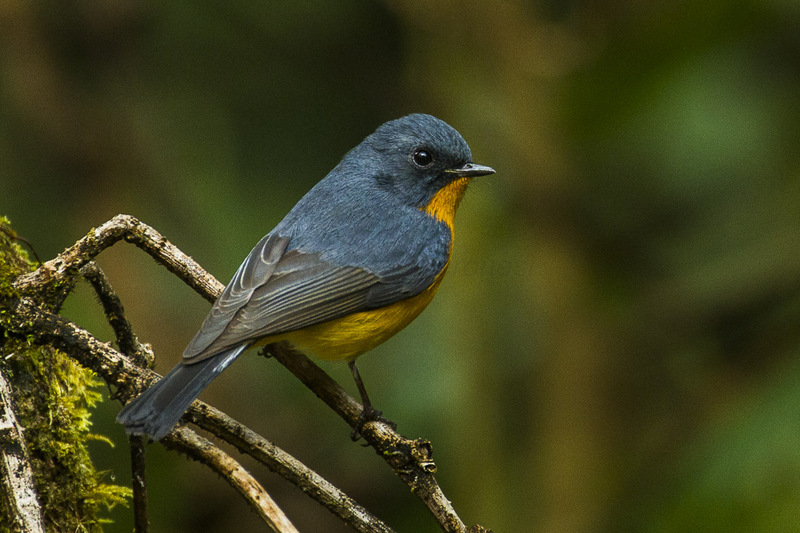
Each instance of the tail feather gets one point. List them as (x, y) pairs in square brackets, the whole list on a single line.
[(159, 408)]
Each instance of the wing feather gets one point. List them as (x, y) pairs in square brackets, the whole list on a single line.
[(271, 294), (254, 271), (279, 289)]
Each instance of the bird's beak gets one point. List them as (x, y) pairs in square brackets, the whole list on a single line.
[(471, 170)]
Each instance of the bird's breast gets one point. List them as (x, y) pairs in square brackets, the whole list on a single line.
[(345, 338)]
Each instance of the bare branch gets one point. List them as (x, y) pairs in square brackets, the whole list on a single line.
[(251, 443), (141, 522), (66, 265), (128, 343), (411, 460), (16, 475), (187, 441), (143, 356)]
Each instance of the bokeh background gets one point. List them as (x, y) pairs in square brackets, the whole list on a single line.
[(617, 345)]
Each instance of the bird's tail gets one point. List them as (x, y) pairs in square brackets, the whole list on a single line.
[(159, 408)]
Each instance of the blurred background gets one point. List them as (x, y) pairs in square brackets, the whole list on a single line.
[(616, 347)]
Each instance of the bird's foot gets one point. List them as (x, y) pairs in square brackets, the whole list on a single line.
[(369, 414)]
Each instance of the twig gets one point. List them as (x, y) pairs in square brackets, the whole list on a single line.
[(411, 460), (187, 441), (128, 343), (142, 355), (251, 443), (66, 265), (12, 235), (19, 491), (141, 522)]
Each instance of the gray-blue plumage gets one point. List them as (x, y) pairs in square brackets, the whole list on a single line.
[(358, 240)]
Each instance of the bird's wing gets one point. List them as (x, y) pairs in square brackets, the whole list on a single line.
[(256, 269), (276, 291)]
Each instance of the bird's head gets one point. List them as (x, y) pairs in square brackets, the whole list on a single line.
[(424, 162)]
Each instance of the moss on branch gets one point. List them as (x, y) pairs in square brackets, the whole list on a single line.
[(53, 398)]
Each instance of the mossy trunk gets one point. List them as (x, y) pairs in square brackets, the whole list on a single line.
[(52, 398)]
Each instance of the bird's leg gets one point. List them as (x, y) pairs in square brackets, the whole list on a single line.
[(361, 389), (369, 412)]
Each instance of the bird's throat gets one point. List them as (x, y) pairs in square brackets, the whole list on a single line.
[(444, 203)]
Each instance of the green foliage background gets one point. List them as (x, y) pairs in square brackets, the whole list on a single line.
[(616, 345)]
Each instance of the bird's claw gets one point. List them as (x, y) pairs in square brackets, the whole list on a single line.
[(369, 414)]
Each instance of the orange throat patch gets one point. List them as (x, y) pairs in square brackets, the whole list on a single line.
[(444, 203)]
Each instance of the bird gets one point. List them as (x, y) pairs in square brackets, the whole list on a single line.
[(359, 257)]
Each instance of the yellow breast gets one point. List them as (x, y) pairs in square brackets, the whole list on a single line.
[(344, 339)]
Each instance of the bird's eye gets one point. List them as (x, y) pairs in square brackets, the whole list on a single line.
[(422, 158)]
